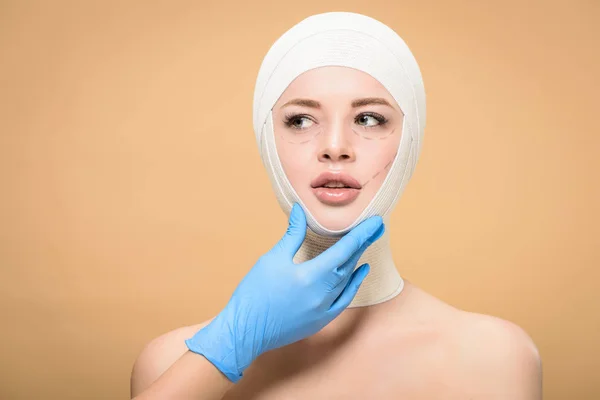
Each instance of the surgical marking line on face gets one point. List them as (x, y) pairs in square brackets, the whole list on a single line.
[(376, 138), (380, 171), (356, 133), (306, 141)]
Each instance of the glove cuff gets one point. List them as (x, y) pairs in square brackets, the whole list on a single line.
[(216, 344)]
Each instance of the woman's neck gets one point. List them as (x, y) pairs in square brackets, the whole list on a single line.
[(383, 281)]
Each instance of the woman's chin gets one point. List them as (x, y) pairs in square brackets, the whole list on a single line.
[(335, 225), (334, 218)]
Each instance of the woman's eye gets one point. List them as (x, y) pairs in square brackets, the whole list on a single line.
[(297, 122), (366, 118), (304, 122)]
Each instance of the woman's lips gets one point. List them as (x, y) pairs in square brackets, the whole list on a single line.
[(336, 196)]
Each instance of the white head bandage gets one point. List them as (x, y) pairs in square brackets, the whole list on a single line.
[(363, 43)]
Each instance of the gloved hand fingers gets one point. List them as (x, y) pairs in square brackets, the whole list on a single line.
[(350, 290), (296, 232), (341, 273), (345, 248)]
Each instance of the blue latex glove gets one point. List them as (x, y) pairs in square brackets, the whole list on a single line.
[(280, 302)]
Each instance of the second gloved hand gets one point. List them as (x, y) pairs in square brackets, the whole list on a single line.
[(279, 302)]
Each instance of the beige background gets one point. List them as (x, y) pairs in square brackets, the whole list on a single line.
[(133, 199)]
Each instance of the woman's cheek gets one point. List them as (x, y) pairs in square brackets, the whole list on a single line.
[(376, 174), (296, 163)]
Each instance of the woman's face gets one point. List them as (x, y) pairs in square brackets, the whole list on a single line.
[(336, 126)]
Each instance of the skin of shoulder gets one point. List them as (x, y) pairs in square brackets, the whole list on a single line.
[(158, 355), (497, 359)]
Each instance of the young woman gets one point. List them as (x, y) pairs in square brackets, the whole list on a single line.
[(339, 116)]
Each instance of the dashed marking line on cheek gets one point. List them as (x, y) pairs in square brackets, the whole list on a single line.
[(381, 170)]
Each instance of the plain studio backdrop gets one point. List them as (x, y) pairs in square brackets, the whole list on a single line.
[(133, 199)]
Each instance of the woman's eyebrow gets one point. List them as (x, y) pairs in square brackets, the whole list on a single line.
[(355, 103), (370, 100)]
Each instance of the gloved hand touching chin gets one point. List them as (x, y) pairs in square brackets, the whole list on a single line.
[(280, 302)]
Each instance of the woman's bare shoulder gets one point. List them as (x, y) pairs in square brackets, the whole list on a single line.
[(488, 354), (481, 335), (497, 356), (467, 326), (495, 338), (159, 354)]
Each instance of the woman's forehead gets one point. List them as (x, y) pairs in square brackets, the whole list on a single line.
[(334, 83)]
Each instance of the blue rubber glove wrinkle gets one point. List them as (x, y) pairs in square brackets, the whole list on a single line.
[(280, 302)]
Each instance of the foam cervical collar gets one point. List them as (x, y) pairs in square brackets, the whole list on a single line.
[(363, 43)]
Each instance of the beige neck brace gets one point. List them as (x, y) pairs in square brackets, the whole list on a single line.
[(383, 281)]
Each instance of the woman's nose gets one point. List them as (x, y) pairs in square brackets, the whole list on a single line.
[(335, 144)]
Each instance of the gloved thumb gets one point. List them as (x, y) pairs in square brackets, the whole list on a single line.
[(296, 231), (349, 292)]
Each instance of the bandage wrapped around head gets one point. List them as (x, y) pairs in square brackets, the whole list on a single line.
[(360, 42)]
